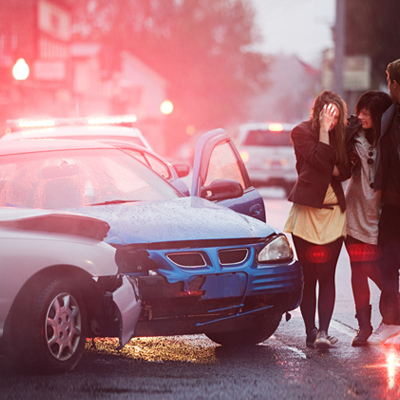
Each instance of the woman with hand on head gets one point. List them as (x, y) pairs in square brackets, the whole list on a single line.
[(317, 219), (363, 205)]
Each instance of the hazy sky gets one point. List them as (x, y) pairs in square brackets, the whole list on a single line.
[(302, 27)]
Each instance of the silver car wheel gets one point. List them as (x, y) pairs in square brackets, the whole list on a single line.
[(63, 326)]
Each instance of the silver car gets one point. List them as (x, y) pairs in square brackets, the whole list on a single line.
[(268, 154), (59, 285)]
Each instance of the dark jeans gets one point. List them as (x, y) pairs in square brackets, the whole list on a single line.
[(364, 261), (319, 265), (389, 241)]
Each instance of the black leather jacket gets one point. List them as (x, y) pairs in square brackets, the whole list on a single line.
[(314, 165), (388, 118)]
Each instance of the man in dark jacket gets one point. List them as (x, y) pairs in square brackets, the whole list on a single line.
[(387, 179)]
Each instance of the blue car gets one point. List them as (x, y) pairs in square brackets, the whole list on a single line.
[(206, 263)]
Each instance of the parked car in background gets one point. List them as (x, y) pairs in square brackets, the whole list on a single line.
[(59, 284), (111, 130), (268, 154), (207, 263)]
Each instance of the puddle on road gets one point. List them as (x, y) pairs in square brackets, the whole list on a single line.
[(190, 348)]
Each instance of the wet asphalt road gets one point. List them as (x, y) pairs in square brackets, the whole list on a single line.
[(193, 367)]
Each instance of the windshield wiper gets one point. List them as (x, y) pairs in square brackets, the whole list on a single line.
[(106, 203)]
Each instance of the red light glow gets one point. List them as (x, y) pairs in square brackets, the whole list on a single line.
[(364, 252), (318, 254)]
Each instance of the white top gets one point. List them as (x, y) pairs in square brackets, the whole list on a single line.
[(363, 203)]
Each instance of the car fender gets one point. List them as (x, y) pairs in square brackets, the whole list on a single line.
[(24, 254)]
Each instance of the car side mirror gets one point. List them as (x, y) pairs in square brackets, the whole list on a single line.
[(182, 169), (222, 189)]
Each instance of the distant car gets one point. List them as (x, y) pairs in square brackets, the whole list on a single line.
[(268, 154), (108, 130), (201, 267), (59, 284)]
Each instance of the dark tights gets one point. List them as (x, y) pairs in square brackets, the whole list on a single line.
[(319, 265), (364, 260)]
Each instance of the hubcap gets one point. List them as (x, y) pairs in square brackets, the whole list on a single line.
[(63, 326)]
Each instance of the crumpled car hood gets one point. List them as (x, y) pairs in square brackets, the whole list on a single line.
[(188, 218), (53, 222)]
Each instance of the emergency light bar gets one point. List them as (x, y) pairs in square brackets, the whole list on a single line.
[(36, 124), (124, 119), (14, 125)]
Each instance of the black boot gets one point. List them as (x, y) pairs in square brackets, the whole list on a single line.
[(364, 321)]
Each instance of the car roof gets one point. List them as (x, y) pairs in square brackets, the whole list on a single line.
[(79, 131), (34, 146), (74, 131)]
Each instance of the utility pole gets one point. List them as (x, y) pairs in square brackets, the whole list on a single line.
[(339, 47)]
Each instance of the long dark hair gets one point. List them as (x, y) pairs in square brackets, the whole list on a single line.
[(376, 103), (338, 136)]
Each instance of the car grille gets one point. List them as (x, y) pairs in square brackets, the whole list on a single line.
[(188, 259), (235, 256)]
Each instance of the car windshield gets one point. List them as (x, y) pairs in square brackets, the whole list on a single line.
[(264, 137), (76, 178)]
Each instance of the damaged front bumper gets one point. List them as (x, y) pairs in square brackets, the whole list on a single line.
[(128, 303), (217, 302)]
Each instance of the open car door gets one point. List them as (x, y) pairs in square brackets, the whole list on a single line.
[(219, 175)]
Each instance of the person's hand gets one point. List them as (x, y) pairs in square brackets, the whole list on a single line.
[(327, 117)]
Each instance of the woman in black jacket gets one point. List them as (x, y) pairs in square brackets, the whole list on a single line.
[(317, 219)]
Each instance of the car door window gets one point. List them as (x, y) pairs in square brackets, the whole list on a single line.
[(224, 165)]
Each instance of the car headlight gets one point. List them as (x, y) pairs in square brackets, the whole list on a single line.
[(278, 249)]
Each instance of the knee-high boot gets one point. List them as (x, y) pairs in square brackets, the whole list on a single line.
[(365, 329)]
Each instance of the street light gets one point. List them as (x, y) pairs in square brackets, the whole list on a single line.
[(20, 70), (166, 107)]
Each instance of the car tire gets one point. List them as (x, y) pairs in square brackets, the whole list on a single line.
[(250, 337), (50, 327)]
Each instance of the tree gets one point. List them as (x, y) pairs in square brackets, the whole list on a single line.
[(200, 46), (372, 28)]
